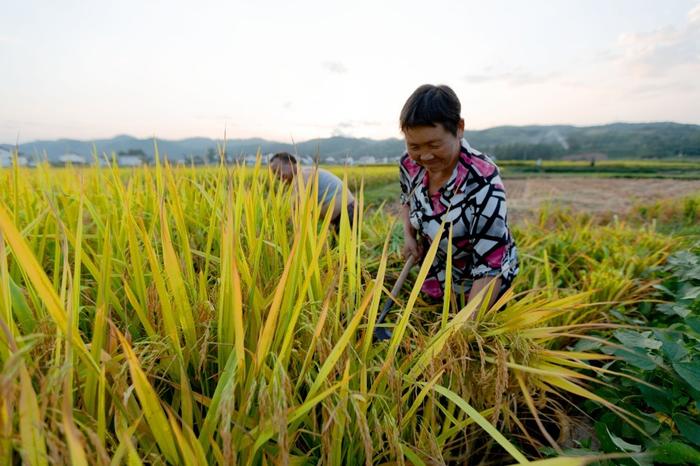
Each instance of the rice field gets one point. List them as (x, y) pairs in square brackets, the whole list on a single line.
[(167, 315)]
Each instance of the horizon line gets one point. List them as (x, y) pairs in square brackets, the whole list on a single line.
[(156, 138)]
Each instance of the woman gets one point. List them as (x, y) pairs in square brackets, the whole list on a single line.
[(444, 180)]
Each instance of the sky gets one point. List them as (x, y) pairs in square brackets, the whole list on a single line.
[(293, 71)]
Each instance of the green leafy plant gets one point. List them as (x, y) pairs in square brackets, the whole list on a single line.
[(662, 360)]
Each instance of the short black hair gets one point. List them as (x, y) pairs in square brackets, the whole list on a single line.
[(430, 105), (284, 157)]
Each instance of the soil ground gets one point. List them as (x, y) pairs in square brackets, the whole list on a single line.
[(590, 194)]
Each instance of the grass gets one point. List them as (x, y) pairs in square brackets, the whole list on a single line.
[(680, 169), (190, 316)]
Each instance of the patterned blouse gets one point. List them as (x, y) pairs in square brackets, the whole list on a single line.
[(474, 201)]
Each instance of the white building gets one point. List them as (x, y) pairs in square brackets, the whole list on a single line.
[(129, 161), (73, 159)]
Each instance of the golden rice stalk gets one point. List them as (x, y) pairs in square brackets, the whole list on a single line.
[(41, 283), (31, 424), (160, 427)]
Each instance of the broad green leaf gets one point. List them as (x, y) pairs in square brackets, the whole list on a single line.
[(633, 339), (676, 453), (637, 357), (689, 371), (623, 445), (671, 346), (587, 345), (663, 289), (660, 400), (692, 293), (689, 428), (672, 309), (694, 323)]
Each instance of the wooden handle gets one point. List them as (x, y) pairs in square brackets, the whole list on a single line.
[(402, 276), (395, 291)]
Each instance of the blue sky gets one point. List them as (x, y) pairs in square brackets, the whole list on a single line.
[(305, 69)]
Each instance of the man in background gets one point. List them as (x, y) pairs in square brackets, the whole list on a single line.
[(330, 194)]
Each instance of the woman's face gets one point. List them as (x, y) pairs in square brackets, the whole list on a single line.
[(433, 147)]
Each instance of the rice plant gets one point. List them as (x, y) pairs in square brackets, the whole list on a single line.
[(171, 315)]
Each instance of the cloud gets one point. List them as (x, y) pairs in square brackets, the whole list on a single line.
[(335, 67), (657, 52), (514, 77), (649, 89), (15, 123), (357, 123), (350, 128), (339, 133), (343, 129), (213, 116)]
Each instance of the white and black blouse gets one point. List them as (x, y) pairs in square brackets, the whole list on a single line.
[(474, 201)]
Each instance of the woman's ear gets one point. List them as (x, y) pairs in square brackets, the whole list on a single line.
[(460, 128)]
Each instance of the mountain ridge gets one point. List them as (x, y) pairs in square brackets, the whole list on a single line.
[(615, 140)]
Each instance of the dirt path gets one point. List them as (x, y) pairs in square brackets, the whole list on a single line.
[(591, 194)]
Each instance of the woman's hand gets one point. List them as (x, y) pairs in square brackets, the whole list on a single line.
[(412, 247)]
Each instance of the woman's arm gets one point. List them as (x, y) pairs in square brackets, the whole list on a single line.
[(411, 245)]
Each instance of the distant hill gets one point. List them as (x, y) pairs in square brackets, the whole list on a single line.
[(618, 140)]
